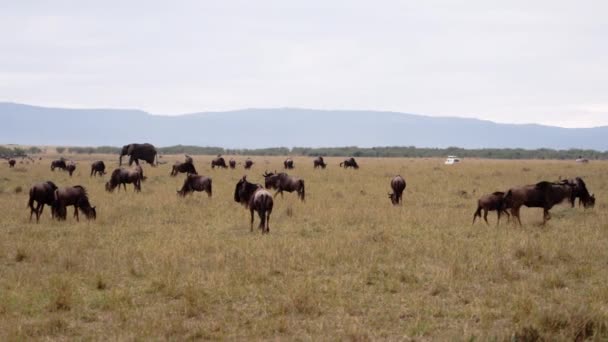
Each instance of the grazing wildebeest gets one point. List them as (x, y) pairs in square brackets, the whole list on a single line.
[(98, 167), (124, 176), (283, 182), (186, 167), (135, 152), (397, 185), (288, 164), (218, 162), (490, 202), (42, 193), (70, 167), (196, 183), (319, 162), (77, 196), (255, 197), (248, 164), (350, 162), (579, 190), (11, 163), (540, 195), (59, 163), (232, 163)]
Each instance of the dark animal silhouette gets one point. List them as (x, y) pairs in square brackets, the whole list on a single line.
[(140, 170), (283, 182), (540, 195), (349, 163), (11, 163), (186, 167), (319, 162), (196, 183), (98, 168), (232, 163), (77, 196), (579, 190), (491, 202), (138, 152), (255, 198), (248, 164), (218, 162), (288, 164), (397, 185), (58, 164), (70, 167), (42, 193), (124, 176)]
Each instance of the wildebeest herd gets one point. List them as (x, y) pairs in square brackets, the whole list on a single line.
[(256, 198)]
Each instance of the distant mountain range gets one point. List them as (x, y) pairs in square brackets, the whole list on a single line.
[(288, 127)]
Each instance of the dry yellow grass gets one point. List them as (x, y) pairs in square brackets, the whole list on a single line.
[(344, 265)]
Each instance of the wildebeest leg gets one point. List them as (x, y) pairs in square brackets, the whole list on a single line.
[(515, 213), (498, 212), (251, 210), (262, 215), (39, 211), (76, 213), (485, 216), (268, 221)]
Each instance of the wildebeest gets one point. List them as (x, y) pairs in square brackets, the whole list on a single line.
[(283, 182), (136, 152), (58, 164), (77, 196), (71, 167), (42, 193), (98, 168), (579, 190), (186, 167), (196, 183), (232, 163), (124, 176), (248, 164), (255, 197), (11, 163), (491, 202), (288, 164), (540, 195), (319, 162), (350, 162), (218, 162), (397, 185), (140, 170)]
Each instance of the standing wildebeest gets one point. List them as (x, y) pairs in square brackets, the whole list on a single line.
[(319, 162), (70, 167), (541, 195), (59, 163), (42, 193), (398, 185), (186, 167), (490, 202), (350, 162), (288, 164), (283, 182), (98, 167), (255, 197), (232, 163), (248, 164), (124, 176), (218, 162), (77, 196), (135, 152), (196, 183), (579, 190), (11, 163)]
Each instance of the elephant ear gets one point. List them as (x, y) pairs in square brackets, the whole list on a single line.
[(130, 148)]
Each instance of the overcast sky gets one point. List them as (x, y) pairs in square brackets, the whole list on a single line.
[(505, 61)]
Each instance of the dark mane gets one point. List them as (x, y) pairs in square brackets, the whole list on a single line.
[(51, 184), (84, 191)]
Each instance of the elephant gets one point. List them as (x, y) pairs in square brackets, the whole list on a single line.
[(135, 152)]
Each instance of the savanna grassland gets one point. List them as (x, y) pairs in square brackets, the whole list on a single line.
[(344, 265)]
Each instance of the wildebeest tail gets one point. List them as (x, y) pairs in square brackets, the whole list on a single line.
[(30, 202), (477, 212)]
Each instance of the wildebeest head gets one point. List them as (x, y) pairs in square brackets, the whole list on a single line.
[(244, 190), (270, 179)]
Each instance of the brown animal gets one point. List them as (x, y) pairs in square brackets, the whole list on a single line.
[(196, 183), (349, 163), (319, 162), (288, 164), (232, 163), (218, 162), (42, 193), (98, 168), (60, 163), (248, 164), (140, 169), (540, 195), (283, 182), (124, 176), (398, 186), (491, 202), (76, 196), (255, 198), (186, 167), (11, 163), (71, 167), (579, 190)]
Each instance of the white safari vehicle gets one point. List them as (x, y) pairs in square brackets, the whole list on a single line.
[(451, 160)]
